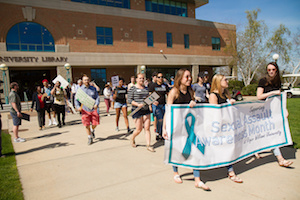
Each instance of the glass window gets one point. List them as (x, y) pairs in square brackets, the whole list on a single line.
[(150, 38), (104, 36), (99, 76), (166, 7), (113, 3), (216, 43), (169, 40), (186, 41), (29, 36)]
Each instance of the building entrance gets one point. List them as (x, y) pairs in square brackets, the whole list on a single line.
[(28, 80)]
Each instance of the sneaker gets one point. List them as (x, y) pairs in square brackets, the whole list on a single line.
[(129, 130), (108, 114), (59, 125), (90, 140), (54, 122), (50, 123), (19, 140), (41, 128), (117, 129), (158, 137)]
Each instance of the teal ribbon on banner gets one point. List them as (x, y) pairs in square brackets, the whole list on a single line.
[(191, 139)]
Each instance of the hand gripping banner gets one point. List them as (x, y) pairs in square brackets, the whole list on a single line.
[(211, 136)]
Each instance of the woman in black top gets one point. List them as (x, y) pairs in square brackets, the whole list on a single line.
[(119, 96), (219, 94), (268, 86), (182, 93)]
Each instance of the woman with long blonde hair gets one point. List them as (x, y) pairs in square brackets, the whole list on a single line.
[(219, 94), (182, 93)]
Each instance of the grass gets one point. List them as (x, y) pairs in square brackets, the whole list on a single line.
[(293, 106), (10, 185)]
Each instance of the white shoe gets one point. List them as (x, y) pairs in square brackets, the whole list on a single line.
[(54, 122), (50, 122), (117, 129), (19, 140), (108, 114)]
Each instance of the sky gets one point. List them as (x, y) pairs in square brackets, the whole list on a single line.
[(273, 12)]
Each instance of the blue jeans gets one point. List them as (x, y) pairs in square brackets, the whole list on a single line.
[(196, 172), (159, 112)]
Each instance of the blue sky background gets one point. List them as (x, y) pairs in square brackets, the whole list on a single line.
[(273, 12)]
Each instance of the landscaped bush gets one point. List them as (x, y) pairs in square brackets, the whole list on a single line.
[(250, 90), (235, 85)]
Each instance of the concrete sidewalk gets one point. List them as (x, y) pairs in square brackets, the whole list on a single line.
[(57, 163)]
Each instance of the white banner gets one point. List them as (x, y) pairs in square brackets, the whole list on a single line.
[(210, 136), (63, 82)]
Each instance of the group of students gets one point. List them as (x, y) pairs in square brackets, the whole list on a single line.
[(181, 93)]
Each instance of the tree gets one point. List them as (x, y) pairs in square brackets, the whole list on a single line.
[(255, 46)]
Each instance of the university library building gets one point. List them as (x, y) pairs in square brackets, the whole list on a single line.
[(104, 38)]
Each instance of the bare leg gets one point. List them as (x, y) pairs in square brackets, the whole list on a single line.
[(118, 111), (16, 131), (124, 111), (138, 128)]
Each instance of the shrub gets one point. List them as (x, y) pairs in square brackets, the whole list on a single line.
[(235, 85), (250, 90)]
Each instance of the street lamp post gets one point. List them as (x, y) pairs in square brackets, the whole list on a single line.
[(275, 57), (68, 67), (143, 67), (4, 68)]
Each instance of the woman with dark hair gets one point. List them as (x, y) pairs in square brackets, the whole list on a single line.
[(119, 96), (201, 93), (38, 99), (219, 94), (182, 93), (60, 97), (136, 96), (268, 86)]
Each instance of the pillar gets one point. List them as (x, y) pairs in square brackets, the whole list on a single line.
[(195, 72)]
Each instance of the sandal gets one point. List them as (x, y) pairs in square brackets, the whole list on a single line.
[(285, 163), (132, 143), (149, 148), (257, 156), (177, 179), (201, 185), (236, 179)]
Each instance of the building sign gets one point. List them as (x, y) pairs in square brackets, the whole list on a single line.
[(35, 59)]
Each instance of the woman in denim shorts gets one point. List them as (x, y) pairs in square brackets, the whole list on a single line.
[(119, 96)]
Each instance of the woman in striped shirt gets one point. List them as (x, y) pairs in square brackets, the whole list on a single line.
[(136, 96)]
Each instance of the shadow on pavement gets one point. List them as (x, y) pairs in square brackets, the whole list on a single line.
[(243, 166), (46, 135), (48, 146)]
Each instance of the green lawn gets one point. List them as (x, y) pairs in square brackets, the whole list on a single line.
[(10, 185), (293, 106)]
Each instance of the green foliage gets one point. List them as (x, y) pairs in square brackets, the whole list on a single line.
[(235, 85), (293, 106), (10, 185), (250, 90)]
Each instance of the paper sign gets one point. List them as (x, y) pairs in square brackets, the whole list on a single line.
[(85, 99), (63, 82), (115, 81), (148, 101)]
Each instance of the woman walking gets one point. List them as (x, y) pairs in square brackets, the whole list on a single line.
[(107, 92), (38, 99), (136, 96), (268, 86), (219, 94), (60, 97), (120, 103), (201, 93), (182, 93)]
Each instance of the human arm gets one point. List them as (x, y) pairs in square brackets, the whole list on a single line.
[(14, 105), (170, 100), (261, 95), (33, 100), (213, 99)]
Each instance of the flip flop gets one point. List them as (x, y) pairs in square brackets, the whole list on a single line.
[(177, 179), (236, 179), (201, 185), (285, 163)]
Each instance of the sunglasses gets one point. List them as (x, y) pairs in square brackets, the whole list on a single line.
[(271, 70), (160, 77)]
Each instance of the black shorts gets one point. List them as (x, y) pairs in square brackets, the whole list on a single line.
[(140, 113), (48, 107)]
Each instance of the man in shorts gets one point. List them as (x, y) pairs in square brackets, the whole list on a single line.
[(15, 111), (89, 116), (48, 102)]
